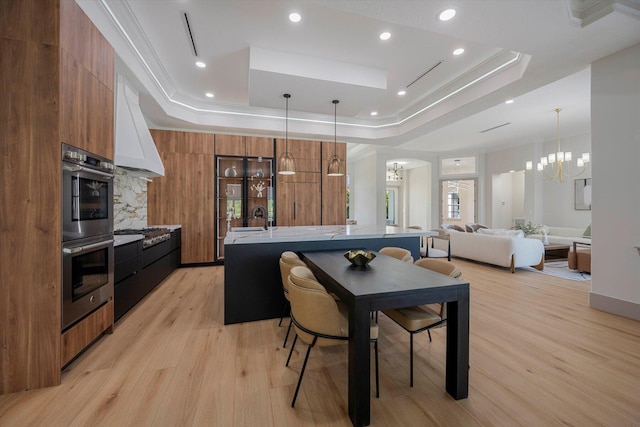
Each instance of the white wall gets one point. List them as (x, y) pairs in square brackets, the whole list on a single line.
[(558, 208), (544, 202), (419, 197), (502, 201), (363, 204), (615, 124)]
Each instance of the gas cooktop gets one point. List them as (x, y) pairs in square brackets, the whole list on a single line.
[(152, 235)]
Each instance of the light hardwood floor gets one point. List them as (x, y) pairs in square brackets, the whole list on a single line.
[(538, 357)]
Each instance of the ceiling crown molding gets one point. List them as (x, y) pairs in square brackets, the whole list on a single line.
[(585, 12)]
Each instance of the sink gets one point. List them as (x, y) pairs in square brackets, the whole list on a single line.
[(248, 229)]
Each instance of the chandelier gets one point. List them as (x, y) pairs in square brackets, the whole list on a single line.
[(457, 186), (555, 166), (394, 173)]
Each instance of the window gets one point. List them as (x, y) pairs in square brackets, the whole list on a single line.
[(392, 205), (453, 205)]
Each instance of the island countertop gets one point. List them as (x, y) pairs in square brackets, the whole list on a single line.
[(320, 232)]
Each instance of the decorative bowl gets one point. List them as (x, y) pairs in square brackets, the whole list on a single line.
[(359, 257)]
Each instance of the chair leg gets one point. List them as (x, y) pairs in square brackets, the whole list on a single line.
[(411, 359), (304, 365), (284, 310), (429, 332), (375, 346), (291, 351), (286, 337)]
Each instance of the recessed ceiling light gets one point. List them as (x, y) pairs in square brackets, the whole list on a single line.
[(200, 64), (509, 101), (447, 14), (402, 92), (209, 94), (458, 51), (385, 36), (295, 17), (374, 113)]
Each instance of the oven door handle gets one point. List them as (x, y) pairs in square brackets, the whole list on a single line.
[(76, 168), (80, 249)]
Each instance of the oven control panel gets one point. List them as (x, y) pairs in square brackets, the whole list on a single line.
[(80, 157)]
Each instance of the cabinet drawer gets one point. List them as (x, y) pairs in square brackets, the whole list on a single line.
[(125, 251), (125, 268)]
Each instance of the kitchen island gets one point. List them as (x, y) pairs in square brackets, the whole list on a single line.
[(252, 282)]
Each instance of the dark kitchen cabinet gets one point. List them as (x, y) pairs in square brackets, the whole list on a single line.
[(138, 271)]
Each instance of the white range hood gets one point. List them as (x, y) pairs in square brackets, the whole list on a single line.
[(134, 146)]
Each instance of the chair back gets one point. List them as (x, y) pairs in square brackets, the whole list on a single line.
[(288, 260), (314, 309), (440, 266), (400, 253)]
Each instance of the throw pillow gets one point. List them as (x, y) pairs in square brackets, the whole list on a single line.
[(587, 232)]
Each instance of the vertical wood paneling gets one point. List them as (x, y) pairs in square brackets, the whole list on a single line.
[(185, 195), (334, 188), (258, 146), (298, 196), (86, 83), (30, 230), (230, 145), (33, 96), (34, 21)]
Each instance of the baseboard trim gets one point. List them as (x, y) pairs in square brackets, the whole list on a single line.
[(614, 306)]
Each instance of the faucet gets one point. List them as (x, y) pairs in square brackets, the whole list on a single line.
[(261, 212)]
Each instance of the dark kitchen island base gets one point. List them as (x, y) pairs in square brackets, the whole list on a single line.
[(252, 281)]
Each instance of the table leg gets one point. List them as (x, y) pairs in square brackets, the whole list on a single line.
[(359, 364), (457, 370)]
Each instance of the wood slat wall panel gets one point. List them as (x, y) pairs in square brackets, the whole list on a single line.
[(185, 195), (30, 227), (334, 188)]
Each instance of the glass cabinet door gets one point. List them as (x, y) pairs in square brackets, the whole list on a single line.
[(244, 195)]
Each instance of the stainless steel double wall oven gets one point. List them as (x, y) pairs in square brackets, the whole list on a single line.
[(87, 233)]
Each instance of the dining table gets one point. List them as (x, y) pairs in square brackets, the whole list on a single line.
[(387, 283)]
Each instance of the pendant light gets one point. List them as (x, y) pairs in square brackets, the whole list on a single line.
[(286, 163), (335, 164)]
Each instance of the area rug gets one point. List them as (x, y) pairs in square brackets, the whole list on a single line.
[(561, 269)]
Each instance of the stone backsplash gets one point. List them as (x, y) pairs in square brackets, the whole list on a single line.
[(129, 201)]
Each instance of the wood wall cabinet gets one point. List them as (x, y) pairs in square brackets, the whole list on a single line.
[(185, 195), (334, 188), (243, 146), (298, 196), (310, 197), (40, 42)]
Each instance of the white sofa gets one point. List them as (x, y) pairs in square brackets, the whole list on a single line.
[(563, 235), (502, 250)]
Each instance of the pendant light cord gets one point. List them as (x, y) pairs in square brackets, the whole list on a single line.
[(286, 124), (335, 125)]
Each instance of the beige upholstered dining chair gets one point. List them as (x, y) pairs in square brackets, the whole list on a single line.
[(288, 260), (420, 318), (400, 253), (318, 319)]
